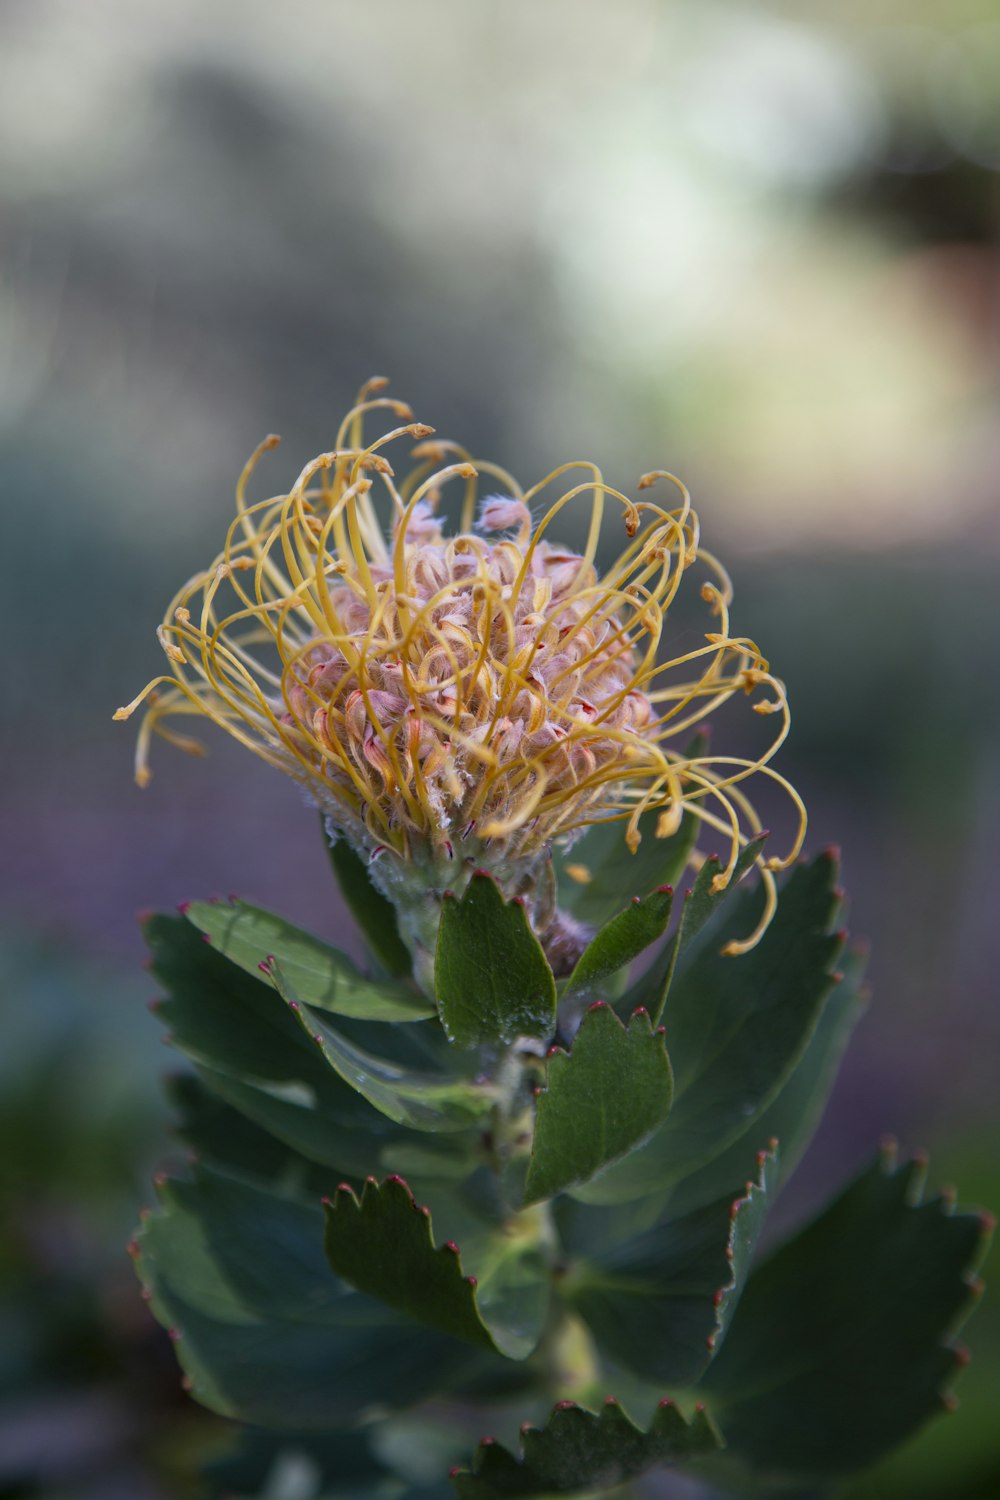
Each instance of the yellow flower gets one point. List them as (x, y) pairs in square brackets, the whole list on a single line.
[(475, 694)]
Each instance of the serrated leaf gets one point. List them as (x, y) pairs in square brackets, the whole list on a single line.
[(375, 915), (218, 1135), (383, 1244), (659, 1304), (493, 981), (420, 1101), (599, 1101), (736, 1028), (583, 1450), (252, 1052), (620, 941), (701, 902), (263, 1330), (322, 975), (303, 1118), (792, 1117), (613, 869), (837, 1352)]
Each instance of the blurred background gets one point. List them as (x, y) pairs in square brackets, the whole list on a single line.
[(758, 244)]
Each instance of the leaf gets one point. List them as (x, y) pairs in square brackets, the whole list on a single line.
[(382, 1243), (582, 1450), (221, 1137), (303, 1119), (322, 975), (615, 871), (835, 1354), (659, 1304), (620, 941), (263, 1330), (599, 1100), (793, 1115), (736, 1028), (255, 1463), (374, 914), (420, 1101), (701, 902), (492, 979), (252, 1052)]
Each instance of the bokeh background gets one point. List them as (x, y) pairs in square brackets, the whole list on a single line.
[(756, 243)]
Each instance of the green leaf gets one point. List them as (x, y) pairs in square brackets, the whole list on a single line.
[(374, 914), (792, 1117), (221, 1137), (322, 975), (262, 1329), (327, 1465), (303, 1118), (493, 981), (420, 1101), (599, 1101), (383, 1244), (701, 902), (582, 1450), (615, 872), (659, 1304), (836, 1353), (736, 1028), (252, 1052), (620, 941)]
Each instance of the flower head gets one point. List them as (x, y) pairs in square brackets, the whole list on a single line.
[(441, 691)]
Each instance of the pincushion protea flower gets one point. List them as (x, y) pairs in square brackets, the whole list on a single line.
[(473, 696)]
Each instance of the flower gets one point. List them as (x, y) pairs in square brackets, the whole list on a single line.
[(482, 692)]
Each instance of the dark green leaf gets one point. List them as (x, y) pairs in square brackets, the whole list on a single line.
[(615, 872), (221, 1137), (421, 1101), (581, 1450), (701, 902), (599, 1100), (322, 975), (383, 1244), (306, 1119), (252, 1052), (660, 1303), (793, 1115), (835, 1354), (373, 913), (620, 941), (736, 1028), (492, 978), (262, 1328), (339, 1464)]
